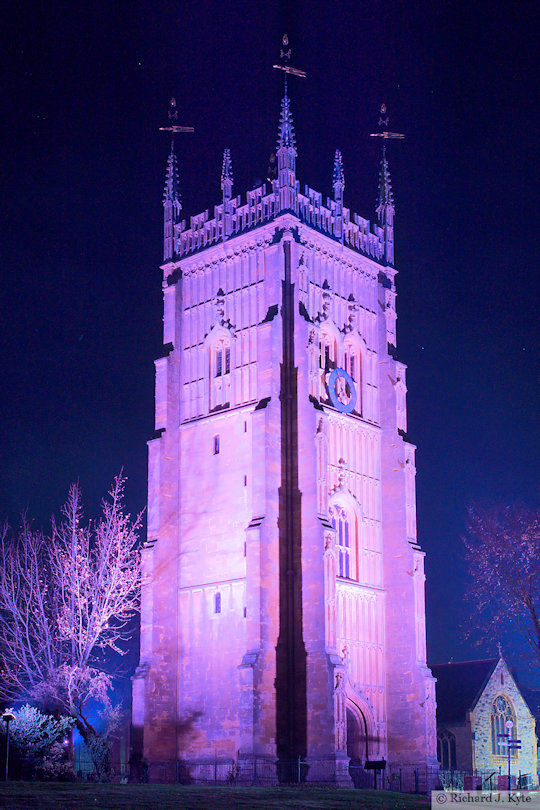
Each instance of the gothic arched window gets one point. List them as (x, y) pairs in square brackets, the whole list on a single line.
[(502, 713), (446, 749), (327, 352), (327, 358), (345, 542)]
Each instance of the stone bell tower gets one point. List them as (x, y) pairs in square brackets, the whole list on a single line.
[(283, 598)]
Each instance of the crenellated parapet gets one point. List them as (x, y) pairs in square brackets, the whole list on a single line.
[(262, 206)]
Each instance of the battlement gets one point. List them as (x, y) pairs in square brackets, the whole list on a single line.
[(232, 218)]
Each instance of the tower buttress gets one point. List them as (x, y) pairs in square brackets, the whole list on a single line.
[(338, 183), (385, 208), (226, 187), (172, 205)]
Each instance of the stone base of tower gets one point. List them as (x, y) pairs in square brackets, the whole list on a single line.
[(334, 770)]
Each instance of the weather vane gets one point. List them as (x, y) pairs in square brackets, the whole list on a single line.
[(285, 56), (173, 127), (383, 122)]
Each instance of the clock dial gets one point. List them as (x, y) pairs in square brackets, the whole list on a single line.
[(342, 391)]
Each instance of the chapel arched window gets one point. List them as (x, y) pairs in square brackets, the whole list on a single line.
[(502, 714), (446, 749)]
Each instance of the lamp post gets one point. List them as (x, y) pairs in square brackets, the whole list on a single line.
[(7, 717), (510, 743), (509, 727)]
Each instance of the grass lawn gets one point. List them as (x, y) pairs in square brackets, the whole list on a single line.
[(58, 795)]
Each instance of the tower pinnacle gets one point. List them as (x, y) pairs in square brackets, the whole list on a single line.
[(286, 127), (338, 183), (385, 206), (172, 204), (226, 187), (386, 195), (226, 172), (338, 177)]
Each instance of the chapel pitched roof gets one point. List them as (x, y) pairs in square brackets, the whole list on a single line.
[(458, 687)]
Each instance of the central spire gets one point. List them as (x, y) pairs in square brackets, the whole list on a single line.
[(286, 128), (286, 145)]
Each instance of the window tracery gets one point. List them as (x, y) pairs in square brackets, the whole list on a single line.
[(502, 713), (346, 542)]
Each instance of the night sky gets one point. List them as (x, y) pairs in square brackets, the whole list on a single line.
[(85, 88)]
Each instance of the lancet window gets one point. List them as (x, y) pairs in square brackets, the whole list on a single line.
[(501, 714), (222, 359), (220, 372)]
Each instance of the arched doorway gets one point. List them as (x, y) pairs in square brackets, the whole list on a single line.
[(357, 746)]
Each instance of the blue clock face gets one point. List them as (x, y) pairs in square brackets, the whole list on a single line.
[(342, 391)]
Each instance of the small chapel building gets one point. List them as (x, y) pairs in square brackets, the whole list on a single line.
[(283, 614), (478, 702)]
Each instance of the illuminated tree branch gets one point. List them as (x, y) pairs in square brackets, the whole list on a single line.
[(64, 598), (503, 555)]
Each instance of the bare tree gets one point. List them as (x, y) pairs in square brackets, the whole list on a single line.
[(503, 554), (64, 600)]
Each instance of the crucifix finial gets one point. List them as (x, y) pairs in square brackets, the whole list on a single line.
[(174, 127), (383, 133), (285, 56)]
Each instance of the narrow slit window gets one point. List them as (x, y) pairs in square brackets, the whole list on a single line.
[(216, 445), (217, 602)]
